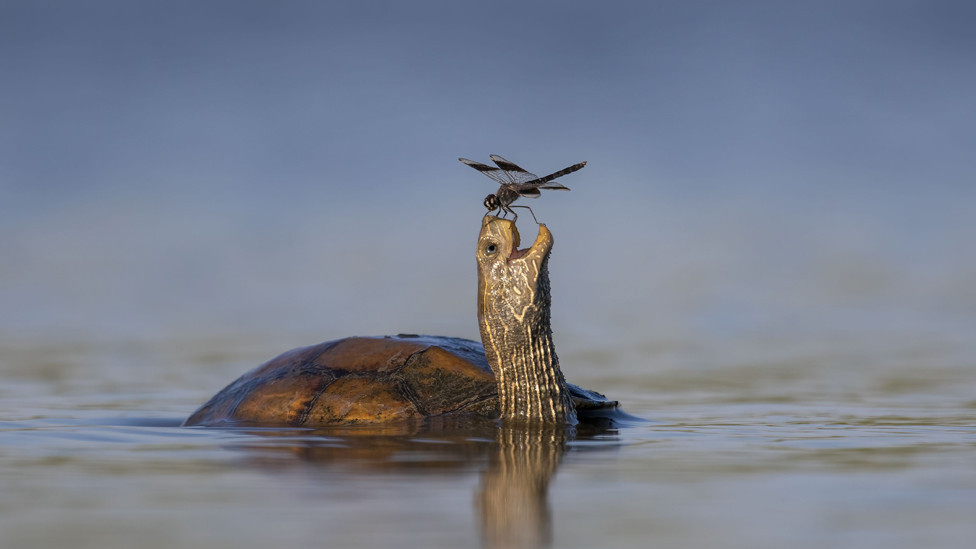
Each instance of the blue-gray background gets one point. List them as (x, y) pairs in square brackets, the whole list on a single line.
[(761, 171)]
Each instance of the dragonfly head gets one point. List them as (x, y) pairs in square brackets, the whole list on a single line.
[(491, 202)]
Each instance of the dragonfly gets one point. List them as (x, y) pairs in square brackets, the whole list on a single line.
[(517, 182)]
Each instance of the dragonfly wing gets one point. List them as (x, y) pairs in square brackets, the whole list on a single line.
[(491, 171), (515, 172), (530, 192)]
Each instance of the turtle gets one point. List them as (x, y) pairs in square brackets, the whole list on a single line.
[(512, 375)]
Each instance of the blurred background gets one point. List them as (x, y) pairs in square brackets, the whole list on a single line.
[(763, 177)]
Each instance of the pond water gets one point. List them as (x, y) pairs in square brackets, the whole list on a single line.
[(834, 450)]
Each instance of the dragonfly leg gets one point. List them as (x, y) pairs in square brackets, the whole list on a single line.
[(530, 211), (508, 210)]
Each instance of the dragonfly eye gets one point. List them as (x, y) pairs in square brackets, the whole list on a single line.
[(491, 202)]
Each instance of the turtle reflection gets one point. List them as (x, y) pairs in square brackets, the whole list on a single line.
[(513, 499), (516, 463)]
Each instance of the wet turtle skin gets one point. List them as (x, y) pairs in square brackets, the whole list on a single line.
[(367, 380)]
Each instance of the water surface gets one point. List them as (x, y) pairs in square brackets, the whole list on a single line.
[(807, 453)]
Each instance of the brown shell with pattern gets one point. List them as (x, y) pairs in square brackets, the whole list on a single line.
[(361, 380)]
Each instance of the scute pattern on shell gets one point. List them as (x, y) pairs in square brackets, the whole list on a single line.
[(359, 380)]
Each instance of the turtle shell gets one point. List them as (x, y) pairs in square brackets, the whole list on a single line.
[(359, 380)]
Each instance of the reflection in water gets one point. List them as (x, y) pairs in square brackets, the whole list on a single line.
[(514, 494), (512, 501)]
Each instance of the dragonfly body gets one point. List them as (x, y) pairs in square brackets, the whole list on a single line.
[(517, 182)]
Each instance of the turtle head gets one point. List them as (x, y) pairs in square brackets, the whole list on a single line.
[(513, 316), (504, 268)]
